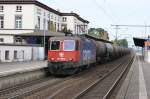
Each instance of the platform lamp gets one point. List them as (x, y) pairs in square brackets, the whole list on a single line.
[(44, 39)]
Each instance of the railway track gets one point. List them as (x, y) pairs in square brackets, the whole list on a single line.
[(107, 83), (26, 89), (75, 86), (79, 90)]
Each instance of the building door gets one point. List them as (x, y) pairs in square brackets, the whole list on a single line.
[(0, 56), (21, 55), (6, 55)]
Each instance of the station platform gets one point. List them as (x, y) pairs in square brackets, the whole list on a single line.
[(20, 67), (137, 82)]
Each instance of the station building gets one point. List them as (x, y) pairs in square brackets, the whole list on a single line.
[(30, 22), (29, 16)]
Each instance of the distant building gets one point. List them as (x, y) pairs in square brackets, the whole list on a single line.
[(29, 16)]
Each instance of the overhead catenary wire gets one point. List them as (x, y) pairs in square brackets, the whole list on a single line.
[(137, 26), (110, 17)]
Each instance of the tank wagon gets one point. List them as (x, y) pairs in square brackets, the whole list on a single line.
[(71, 54)]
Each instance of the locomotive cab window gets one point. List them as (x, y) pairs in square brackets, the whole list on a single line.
[(55, 45), (69, 45)]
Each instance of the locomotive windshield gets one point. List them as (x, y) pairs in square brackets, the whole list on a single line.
[(55, 45), (69, 45)]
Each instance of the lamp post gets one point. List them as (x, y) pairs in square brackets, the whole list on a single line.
[(44, 39)]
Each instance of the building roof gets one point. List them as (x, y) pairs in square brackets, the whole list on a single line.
[(75, 15), (29, 2), (9, 44), (43, 6), (41, 33), (139, 41)]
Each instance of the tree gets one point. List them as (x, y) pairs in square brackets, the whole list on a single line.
[(121, 42), (124, 43), (98, 33)]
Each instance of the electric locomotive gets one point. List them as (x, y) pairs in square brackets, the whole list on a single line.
[(67, 55)]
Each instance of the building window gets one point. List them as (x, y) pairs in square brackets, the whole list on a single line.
[(18, 40), (64, 27), (18, 8), (51, 26), (22, 53), (1, 39), (1, 8), (58, 19), (51, 16), (44, 14), (18, 22), (64, 19), (48, 16), (6, 55), (1, 22), (57, 27), (39, 22), (15, 54), (75, 28), (38, 11), (44, 23), (48, 25)]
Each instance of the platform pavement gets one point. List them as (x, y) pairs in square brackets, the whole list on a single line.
[(137, 82), (20, 67)]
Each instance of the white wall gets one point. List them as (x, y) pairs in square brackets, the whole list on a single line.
[(7, 38), (24, 53), (48, 16), (37, 53), (27, 16), (15, 31)]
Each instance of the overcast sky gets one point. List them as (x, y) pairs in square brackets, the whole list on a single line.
[(103, 13)]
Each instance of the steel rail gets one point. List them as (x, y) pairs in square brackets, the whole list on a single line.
[(96, 82), (109, 93)]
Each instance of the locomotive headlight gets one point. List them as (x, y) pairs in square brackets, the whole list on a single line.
[(52, 58), (61, 54), (70, 59)]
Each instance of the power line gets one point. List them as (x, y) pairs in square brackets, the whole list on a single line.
[(117, 28), (103, 10), (132, 25), (139, 26)]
